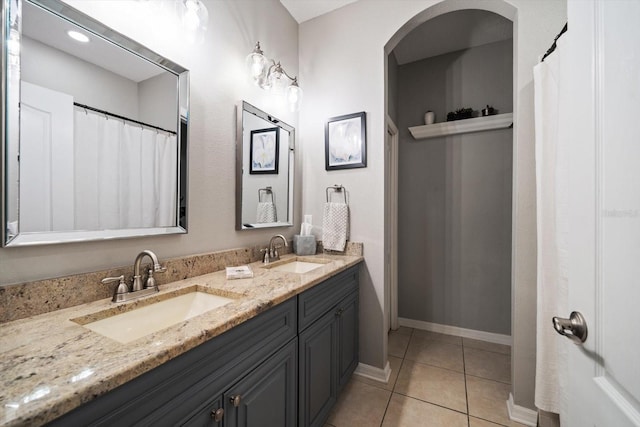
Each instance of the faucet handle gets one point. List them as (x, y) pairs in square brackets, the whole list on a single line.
[(121, 289), (108, 280), (157, 268), (265, 258), (151, 281)]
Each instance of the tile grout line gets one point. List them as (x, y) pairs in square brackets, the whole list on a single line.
[(396, 381), (430, 403), (439, 367), (466, 392)]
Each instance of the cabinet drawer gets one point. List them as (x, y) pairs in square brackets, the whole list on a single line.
[(315, 302)]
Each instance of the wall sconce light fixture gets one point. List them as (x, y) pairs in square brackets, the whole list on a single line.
[(194, 17), (191, 16), (270, 75)]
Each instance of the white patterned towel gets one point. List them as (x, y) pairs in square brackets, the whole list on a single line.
[(266, 212), (335, 226)]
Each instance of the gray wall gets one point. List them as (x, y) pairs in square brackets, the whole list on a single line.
[(392, 88), (455, 194)]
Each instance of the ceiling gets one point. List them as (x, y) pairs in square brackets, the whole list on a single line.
[(303, 10), (452, 32)]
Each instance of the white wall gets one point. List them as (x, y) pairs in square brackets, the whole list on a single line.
[(217, 83), (157, 101), (342, 62), (54, 69)]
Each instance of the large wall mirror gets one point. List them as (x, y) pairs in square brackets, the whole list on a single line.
[(264, 170), (94, 130)]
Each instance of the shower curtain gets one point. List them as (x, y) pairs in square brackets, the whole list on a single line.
[(125, 174), (552, 161)]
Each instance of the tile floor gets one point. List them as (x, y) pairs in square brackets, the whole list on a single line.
[(436, 380)]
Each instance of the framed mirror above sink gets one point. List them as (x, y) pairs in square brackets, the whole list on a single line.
[(94, 130), (265, 154)]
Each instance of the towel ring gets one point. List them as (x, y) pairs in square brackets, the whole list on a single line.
[(267, 191), (337, 189)]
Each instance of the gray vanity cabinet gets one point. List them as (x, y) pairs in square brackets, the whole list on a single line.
[(283, 368), (328, 344), (189, 389)]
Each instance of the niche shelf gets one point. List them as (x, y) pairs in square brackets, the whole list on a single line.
[(477, 124)]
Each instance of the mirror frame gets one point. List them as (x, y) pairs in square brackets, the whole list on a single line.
[(241, 108), (68, 13)]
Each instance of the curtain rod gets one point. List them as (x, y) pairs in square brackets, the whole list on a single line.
[(97, 110), (553, 46)]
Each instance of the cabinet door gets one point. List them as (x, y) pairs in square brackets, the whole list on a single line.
[(268, 396), (211, 416), (347, 320), (317, 372)]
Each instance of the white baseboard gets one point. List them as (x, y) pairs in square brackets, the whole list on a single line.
[(454, 330), (376, 374), (520, 414)]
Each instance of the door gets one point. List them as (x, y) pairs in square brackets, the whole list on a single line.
[(317, 371), (268, 396), (46, 159), (604, 203)]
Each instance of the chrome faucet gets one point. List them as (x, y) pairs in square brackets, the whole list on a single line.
[(122, 292), (271, 253)]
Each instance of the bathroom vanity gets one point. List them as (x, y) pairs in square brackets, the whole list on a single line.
[(277, 355)]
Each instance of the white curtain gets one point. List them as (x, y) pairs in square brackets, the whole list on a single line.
[(125, 174), (552, 162)]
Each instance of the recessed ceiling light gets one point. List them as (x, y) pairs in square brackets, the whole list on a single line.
[(78, 36)]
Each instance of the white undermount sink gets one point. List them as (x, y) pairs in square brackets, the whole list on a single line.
[(297, 265), (131, 325)]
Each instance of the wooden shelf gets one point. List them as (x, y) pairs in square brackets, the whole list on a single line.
[(477, 124)]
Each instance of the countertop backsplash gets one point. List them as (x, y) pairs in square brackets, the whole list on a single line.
[(22, 300)]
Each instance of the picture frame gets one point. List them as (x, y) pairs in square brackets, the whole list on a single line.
[(345, 141), (264, 151)]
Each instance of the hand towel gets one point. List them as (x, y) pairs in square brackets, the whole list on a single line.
[(266, 212), (335, 226)]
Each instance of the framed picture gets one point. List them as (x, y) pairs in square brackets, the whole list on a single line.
[(345, 142), (264, 151)]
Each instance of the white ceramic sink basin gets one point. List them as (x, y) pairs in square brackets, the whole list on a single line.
[(298, 265), (131, 325)]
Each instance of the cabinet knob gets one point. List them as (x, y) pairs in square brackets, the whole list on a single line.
[(235, 400), (217, 415), (339, 312)]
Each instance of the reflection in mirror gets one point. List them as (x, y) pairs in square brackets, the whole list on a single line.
[(96, 126), (264, 170)]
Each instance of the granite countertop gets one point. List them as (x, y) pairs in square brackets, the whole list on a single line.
[(50, 364)]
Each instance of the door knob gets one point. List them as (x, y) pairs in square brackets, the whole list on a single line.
[(574, 328)]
